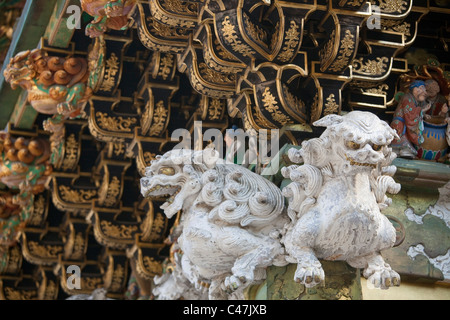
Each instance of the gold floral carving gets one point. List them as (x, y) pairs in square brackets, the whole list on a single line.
[(38, 212), (112, 67), (117, 279), (231, 38), (13, 261), (112, 192), (345, 52), (165, 66), (331, 106), (379, 90), (71, 153), (275, 35), (120, 231), (222, 52), (44, 251), (315, 108), (51, 291), (78, 246), (149, 43), (159, 119), (271, 105), (258, 34), (90, 284), (215, 109), (210, 75), (391, 6), (12, 294), (393, 25), (213, 93), (76, 195), (152, 265), (115, 123), (293, 102), (154, 226), (165, 30), (353, 3), (370, 67), (164, 17), (117, 148), (327, 50), (181, 7), (293, 37), (386, 6)]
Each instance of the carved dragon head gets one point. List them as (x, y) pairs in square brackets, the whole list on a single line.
[(357, 141), (20, 70), (176, 175)]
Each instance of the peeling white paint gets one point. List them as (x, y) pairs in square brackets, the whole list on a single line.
[(441, 209), (440, 262)]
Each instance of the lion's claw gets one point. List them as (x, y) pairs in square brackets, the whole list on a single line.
[(382, 278), (309, 275)]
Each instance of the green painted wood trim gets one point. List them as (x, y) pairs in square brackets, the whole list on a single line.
[(30, 28), (57, 32), (421, 173)]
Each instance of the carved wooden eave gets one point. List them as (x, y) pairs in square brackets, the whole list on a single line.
[(91, 276), (48, 283), (21, 287), (11, 261), (76, 237), (109, 230), (42, 247), (147, 258), (68, 196), (116, 273), (252, 64)]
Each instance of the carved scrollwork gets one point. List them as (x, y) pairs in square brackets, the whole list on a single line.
[(204, 79), (175, 13), (157, 36)]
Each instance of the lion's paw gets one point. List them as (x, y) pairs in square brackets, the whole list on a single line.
[(382, 278), (64, 107), (309, 275), (234, 282)]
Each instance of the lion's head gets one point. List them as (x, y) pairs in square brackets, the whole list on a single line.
[(229, 192), (175, 175), (20, 71), (357, 141)]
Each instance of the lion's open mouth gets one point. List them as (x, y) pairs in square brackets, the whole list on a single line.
[(164, 191), (355, 163)]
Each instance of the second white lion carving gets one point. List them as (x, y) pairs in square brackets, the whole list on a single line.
[(336, 196)]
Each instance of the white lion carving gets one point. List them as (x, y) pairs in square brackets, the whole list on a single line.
[(336, 196), (231, 218)]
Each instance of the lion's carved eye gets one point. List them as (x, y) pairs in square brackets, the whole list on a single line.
[(376, 147), (168, 171), (352, 145)]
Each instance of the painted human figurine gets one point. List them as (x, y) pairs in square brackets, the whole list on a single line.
[(438, 102), (108, 14), (408, 119)]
